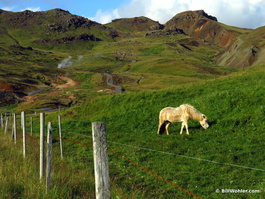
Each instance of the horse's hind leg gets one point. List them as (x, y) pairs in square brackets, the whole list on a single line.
[(160, 128)]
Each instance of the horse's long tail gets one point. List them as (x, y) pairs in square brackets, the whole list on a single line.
[(162, 128)]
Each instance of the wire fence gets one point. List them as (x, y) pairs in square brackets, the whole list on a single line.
[(64, 165), (174, 154)]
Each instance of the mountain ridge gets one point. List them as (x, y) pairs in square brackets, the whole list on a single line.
[(194, 23)]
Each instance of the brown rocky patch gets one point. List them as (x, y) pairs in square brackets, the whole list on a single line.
[(6, 87), (69, 83)]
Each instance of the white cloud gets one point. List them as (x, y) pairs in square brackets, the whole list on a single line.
[(32, 9), (105, 16), (7, 8), (240, 13)]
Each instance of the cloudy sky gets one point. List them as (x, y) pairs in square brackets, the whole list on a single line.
[(240, 13)]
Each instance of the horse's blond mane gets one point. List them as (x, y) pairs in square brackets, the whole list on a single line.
[(191, 110), (188, 106)]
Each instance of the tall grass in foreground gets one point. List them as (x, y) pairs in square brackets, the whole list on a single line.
[(19, 177)]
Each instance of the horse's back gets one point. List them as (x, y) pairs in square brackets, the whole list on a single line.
[(170, 114), (166, 110)]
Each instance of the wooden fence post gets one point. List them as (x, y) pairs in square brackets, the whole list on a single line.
[(23, 122), (42, 124), (2, 120), (60, 135), (14, 129), (49, 158), (31, 126), (6, 126), (101, 165)]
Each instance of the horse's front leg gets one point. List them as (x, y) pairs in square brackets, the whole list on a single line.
[(187, 130), (167, 126), (186, 126), (182, 126)]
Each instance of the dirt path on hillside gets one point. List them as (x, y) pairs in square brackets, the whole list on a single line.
[(109, 80)]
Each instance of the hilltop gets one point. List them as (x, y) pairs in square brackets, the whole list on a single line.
[(135, 24)]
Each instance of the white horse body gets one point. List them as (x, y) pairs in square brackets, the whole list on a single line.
[(180, 114)]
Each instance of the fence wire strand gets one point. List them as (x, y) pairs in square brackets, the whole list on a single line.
[(142, 168), (194, 158), (183, 156), (155, 175)]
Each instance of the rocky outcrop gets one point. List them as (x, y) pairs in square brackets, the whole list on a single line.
[(65, 40), (135, 24), (189, 21), (201, 26)]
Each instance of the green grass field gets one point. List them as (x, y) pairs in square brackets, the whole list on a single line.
[(235, 108)]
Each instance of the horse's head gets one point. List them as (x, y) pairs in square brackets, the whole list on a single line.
[(203, 122)]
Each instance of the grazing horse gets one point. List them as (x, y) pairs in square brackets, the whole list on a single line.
[(180, 114)]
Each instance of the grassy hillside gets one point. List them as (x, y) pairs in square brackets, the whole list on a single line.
[(228, 155), (153, 62)]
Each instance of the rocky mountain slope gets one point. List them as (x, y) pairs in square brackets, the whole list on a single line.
[(52, 27), (246, 51), (206, 29)]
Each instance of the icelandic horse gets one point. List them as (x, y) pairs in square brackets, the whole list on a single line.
[(180, 114)]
